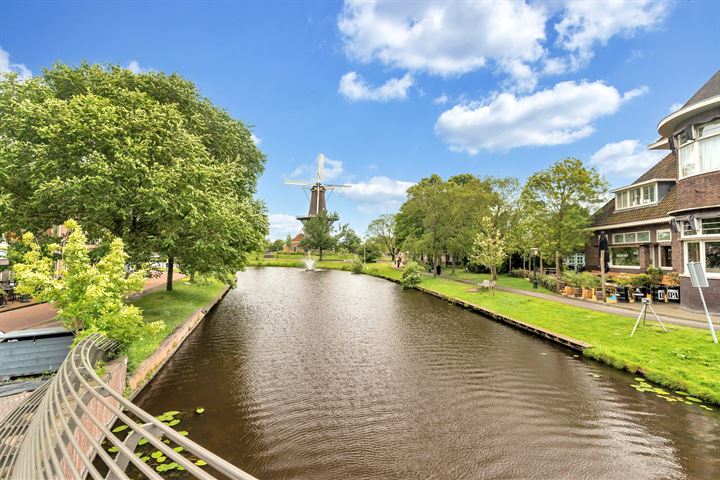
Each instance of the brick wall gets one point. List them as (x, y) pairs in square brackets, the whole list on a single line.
[(699, 191), (690, 297)]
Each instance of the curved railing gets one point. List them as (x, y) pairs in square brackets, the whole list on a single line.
[(63, 430)]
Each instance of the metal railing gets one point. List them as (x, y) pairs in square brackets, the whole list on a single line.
[(63, 430)]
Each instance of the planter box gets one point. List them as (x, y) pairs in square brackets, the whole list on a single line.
[(599, 295), (587, 293), (577, 292), (622, 293), (639, 293), (673, 294), (659, 293), (568, 291)]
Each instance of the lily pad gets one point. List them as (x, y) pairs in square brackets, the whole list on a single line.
[(173, 423), (142, 441), (113, 449), (199, 410), (161, 459), (639, 379), (120, 428), (694, 399), (183, 433), (680, 392), (145, 459), (200, 463), (156, 454), (178, 449), (180, 467), (171, 413)]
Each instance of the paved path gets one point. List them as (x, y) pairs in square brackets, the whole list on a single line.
[(667, 313), (43, 314)]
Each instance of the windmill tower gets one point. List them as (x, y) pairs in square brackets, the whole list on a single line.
[(317, 191)]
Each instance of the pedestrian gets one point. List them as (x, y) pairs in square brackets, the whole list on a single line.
[(398, 262), (438, 269)]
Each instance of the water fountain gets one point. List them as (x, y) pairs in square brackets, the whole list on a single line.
[(309, 263)]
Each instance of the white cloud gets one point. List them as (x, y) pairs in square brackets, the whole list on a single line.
[(256, 140), (353, 87), (586, 24), (6, 66), (627, 159), (675, 106), (441, 100), (444, 38), (281, 224), (332, 169), (560, 115), (377, 194)]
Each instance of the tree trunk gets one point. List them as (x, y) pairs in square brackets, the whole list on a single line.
[(493, 272), (558, 264), (320, 255), (541, 266), (170, 268)]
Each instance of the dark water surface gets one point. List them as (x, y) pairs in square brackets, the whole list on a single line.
[(328, 375)]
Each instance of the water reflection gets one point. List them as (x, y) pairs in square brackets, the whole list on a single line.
[(333, 375)]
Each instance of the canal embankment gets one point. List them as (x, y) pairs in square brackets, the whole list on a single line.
[(685, 359)]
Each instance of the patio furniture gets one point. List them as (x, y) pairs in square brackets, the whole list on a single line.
[(489, 285)]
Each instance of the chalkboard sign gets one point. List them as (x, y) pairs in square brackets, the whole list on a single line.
[(697, 275)]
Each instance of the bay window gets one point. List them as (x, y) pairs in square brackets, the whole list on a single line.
[(701, 155)]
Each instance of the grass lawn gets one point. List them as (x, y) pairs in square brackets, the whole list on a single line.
[(171, 307), (502, 280), (684, 359)]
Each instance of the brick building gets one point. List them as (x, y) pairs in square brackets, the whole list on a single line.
[(671, 214)]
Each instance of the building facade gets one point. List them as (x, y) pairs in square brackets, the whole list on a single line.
[(671, 214)]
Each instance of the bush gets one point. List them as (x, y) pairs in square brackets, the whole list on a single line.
[(572, 279), (357, 265), (674, 278), (549, 282), (640, 280), (519, 273), (412, 275), (655, 274), (588, 280)]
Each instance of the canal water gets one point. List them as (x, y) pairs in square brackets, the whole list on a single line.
[(329, 375)]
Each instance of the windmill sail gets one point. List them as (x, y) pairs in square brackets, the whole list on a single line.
[(317, 190)]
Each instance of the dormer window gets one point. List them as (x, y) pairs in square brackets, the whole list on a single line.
[(636, 196), (699, 155)]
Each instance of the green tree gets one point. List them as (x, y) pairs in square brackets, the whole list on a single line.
[(90, 297), (558, 200), (277, 245), (288, 242), (319, 232), (383, 230), (489, 247), (411, 275), (347, 239), (143, 157)]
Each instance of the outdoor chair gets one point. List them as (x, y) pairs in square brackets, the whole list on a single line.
[(489, 285)]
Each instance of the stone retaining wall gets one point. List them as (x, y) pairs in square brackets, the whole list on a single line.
[(148, 368)]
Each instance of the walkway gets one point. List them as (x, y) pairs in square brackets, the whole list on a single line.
[(667, 312), (42, 315)]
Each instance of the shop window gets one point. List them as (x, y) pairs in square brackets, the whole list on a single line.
[(625, 256)]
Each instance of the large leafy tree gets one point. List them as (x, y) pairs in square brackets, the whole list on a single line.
[(143, 157), (558, 200), (347, 239), (383, 230), (319, 232), (489, 247), (90, 296)]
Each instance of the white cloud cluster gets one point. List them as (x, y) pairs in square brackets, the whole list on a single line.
[(508, 36), (560, 115), (282, 224), (586, 24), (378, 194), (332, 170), (256, 140), (445, 38), (353, 87), (7, 66), (625, 160)]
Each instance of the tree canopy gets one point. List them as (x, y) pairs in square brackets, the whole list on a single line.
[(143, 157), (319, 232)]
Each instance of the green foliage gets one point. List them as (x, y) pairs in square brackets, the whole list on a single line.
[(90, 297), (572, 279), (143, 157), (588, 280), (655, 275), (373, 250), (488, 247), (412, 275), (277, 245), (319, 232), (674, 278), (347, 240), (557, 202), (382, 229), (640, 280), (358, 266)]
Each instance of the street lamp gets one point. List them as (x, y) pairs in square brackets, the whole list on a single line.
[(534, 252)]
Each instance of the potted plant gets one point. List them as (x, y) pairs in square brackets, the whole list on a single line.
[(657, 289), (569, 279), (672, 291), (589, 283)]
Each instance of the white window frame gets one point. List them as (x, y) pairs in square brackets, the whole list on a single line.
[(702, 256), (633, 267), (657, 235), (693, 147), (700, 235), (636, 242), (627, 195)]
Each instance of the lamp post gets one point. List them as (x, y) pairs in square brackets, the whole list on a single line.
[(534, 252)]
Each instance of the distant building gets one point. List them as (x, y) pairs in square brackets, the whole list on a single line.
[(671, 214), (295, 244)]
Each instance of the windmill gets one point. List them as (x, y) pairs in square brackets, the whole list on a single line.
[(317, 191)]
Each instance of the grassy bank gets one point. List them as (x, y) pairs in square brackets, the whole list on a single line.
[(684, 359), (171, 307)]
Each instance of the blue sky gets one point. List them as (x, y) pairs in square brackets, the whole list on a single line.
[(393, 92)]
